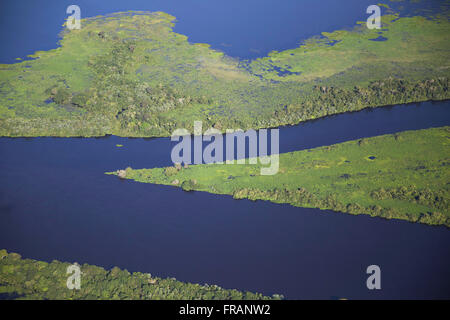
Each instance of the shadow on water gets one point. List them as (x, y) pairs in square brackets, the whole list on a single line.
[(9, 296)]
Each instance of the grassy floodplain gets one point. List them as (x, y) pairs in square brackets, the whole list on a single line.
[(402, 176), (31, 279), (129, 74)]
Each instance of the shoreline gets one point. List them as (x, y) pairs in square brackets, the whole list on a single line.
[(107, 135)]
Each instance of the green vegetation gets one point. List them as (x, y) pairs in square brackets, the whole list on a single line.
[(31, 279), (402, 176), (129, 74), (339, 51)]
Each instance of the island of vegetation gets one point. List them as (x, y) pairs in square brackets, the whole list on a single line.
[(401, 176), (130, 74), (31, 279)]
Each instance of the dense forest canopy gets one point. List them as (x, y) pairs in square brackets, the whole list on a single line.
[(31, 279)]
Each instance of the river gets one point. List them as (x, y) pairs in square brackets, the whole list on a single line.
[(56, 203)]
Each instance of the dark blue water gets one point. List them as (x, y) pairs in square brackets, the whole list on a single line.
[(56, 203), (245, 29)]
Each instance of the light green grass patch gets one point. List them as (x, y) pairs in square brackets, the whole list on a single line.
[(407, 177)]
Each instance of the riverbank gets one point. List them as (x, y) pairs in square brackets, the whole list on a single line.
[(398, 176), (129, 74), (191, 235), (32, 279)]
